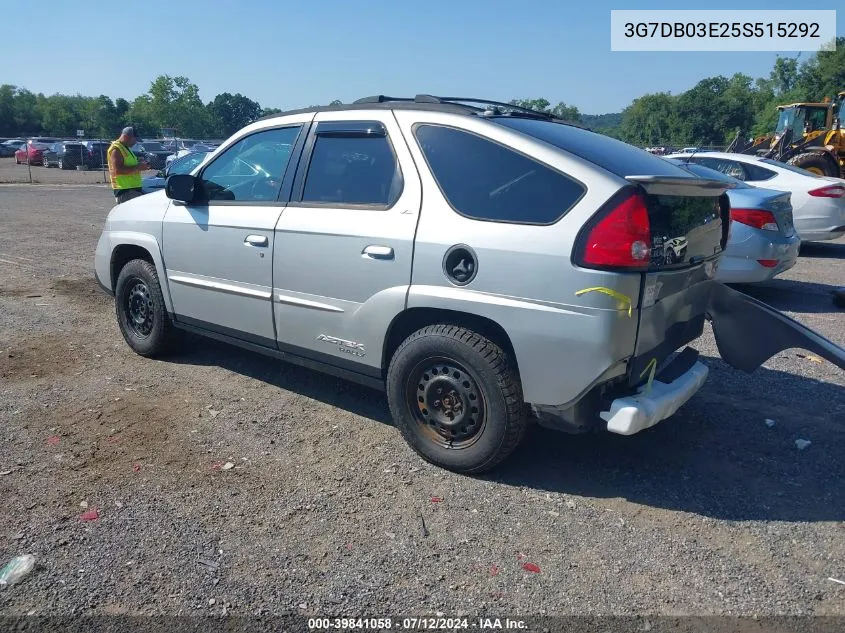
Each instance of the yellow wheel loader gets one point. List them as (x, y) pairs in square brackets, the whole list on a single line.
[(808, 135)]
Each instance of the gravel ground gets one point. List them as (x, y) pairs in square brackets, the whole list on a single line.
[(713, 512)]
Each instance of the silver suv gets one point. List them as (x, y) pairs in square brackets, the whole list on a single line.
[(484, 264)]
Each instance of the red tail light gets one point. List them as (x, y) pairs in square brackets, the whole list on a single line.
[(831, 191), (622, 238), (768, 263), (755, 217)]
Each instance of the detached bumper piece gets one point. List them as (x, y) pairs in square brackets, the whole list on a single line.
[(669, 391)]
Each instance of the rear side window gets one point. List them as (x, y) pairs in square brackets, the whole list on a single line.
[(484, 180), (352, 170), (615, 156)]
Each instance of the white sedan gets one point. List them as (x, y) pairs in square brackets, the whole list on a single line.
[(818, 202)]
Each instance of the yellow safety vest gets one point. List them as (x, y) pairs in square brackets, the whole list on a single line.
[(123, 181)]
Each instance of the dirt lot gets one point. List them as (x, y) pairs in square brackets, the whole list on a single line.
[(713, 512)]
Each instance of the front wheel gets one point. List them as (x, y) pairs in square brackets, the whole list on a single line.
[(141, 314), (816, 163), (456, 397)]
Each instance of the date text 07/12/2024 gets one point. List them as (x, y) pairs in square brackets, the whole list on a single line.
[(415, 624)]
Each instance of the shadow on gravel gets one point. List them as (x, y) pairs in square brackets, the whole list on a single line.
[(342, 394), (823, 250), (789, 295), (715, 458)]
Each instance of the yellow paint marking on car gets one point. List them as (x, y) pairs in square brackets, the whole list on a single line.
[(623, 299), (650, 368)]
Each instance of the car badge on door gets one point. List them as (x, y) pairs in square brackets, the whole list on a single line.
[(347, 347)]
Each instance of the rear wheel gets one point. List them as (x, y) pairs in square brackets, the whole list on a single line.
[(819, 164), (141, 314), (456, 397)]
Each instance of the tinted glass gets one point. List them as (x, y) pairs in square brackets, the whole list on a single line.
[(789, 167), (706, 172), (732, 168), (487, 181), (152, 147), (186, 165), (615, 156), (352, 170), (251, 170)]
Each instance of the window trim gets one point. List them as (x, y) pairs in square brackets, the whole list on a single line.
[(350, 127), (283, 194), (563, 214)]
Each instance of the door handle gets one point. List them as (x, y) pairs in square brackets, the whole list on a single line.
[(256, 240), (378, 252)]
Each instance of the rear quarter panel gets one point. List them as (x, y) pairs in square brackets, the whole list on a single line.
[(526, 281)]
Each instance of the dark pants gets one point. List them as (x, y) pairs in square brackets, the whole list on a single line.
[(122, 195)]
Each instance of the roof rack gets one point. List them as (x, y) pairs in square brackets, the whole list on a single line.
[(493, 108), (426, 98)]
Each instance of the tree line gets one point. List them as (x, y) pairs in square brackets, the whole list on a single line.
[(710, 113)]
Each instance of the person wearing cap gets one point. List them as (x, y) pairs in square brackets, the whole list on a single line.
[(124, 167)]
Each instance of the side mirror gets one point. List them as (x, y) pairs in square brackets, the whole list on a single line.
[(181, 187)]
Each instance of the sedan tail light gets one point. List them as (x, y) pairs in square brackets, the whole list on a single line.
[(768, 263), (756, 218), (831, 191)]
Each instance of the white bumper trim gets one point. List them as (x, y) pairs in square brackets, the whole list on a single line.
[(633, 414)]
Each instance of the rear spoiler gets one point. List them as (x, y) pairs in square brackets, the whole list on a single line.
[(680, 185)]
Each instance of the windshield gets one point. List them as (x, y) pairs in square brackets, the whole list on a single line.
[(791, 117), (152, 147), (187, 164), (789, 167)]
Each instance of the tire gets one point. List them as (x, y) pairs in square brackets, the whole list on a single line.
[(816, 163), (145, 326), (488, 415)]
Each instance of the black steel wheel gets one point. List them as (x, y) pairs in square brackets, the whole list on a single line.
[(446, 402), (141, 313), (456, 397)]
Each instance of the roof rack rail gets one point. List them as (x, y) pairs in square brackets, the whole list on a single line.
[(380, 99), (470, 103), (487, 102)]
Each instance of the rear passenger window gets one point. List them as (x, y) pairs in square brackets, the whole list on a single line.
[(756, 173), (484, 180), (352, 169)]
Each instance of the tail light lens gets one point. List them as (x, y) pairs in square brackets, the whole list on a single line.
[(768, 263), (757, 218), (832, 191), (622, 238)]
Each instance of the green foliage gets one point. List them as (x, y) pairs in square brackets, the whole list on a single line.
[(710, 113), (562, 110)]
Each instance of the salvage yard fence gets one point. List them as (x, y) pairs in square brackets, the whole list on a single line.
[(28, 167)]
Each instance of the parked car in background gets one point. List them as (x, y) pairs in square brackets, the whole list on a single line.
[(154, 153), (97, 154), (33, 151), (477, 265), (10, 146), (65, 155), (198, 147), (763, 242), (818, 202), (184, 165)]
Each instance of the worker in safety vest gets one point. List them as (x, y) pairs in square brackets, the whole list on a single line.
[(124, 167)]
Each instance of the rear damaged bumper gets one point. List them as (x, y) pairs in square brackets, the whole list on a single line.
[(632, 414)]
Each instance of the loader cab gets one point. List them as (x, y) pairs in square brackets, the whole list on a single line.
[(803, 118)]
